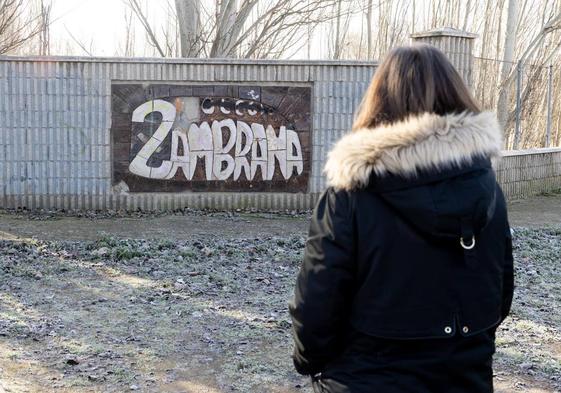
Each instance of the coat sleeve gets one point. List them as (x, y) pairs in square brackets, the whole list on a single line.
[(319, 308), (508, 276)]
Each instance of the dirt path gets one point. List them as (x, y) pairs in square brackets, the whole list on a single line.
[(172, 227), (535, 212)]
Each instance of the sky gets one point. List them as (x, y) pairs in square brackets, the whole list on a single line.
[(99, 25), (85, 19)]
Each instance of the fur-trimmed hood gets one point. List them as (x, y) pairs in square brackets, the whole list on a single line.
[(423, 142)]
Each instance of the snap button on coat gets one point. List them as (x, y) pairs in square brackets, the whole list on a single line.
[(447, 330)]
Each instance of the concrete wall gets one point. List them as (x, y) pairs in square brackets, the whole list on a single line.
[(523, 173), (55, 121)]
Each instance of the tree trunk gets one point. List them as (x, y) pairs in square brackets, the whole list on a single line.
[(337, 51), (188, 15), (467, 12), (382, 29), (369, 29), (226, 19)]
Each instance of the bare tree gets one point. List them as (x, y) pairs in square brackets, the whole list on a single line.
[(534, 84), (135, 6), (392, 28), (229, 24), (45, 28), (81, 44), (188, 17), (241, 28), (171, 33), (18, 25), (369, 28), (281, 26), (342, 11), (129, 34), (338, 43), (528, 31), (383, 25), (508, 59)]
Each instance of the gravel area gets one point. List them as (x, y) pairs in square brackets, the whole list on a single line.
[(208, 314)]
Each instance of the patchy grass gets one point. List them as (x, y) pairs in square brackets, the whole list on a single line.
[(529, 342), (148, 315), (210, 315)]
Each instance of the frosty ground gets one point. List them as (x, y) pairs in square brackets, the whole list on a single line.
[(196, 302)]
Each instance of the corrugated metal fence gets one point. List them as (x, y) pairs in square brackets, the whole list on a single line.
[(55, 117)]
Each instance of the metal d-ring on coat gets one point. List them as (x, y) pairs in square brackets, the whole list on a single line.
[(471, 244)]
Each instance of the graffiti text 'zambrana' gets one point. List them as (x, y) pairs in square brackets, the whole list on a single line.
[(265, 147)]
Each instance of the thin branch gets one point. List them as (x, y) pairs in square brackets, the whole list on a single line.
[(144, 21), (78, 42)]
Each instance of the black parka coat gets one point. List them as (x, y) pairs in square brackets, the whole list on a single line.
[(407, 269)]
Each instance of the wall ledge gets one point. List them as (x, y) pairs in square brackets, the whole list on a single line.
[(160, 60), (544, 150)]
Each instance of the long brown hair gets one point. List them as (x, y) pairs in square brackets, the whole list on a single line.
[(413, 80)]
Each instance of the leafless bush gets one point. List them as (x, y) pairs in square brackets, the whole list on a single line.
[(18, 25)]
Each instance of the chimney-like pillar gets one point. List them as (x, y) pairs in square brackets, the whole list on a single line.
[(456, 44)]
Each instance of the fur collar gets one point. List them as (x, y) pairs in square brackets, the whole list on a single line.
[(426, 141)]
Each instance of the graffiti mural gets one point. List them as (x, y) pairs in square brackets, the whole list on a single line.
[(211, 138)]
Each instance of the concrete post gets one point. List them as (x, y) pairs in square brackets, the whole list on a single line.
[(456, 44)]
